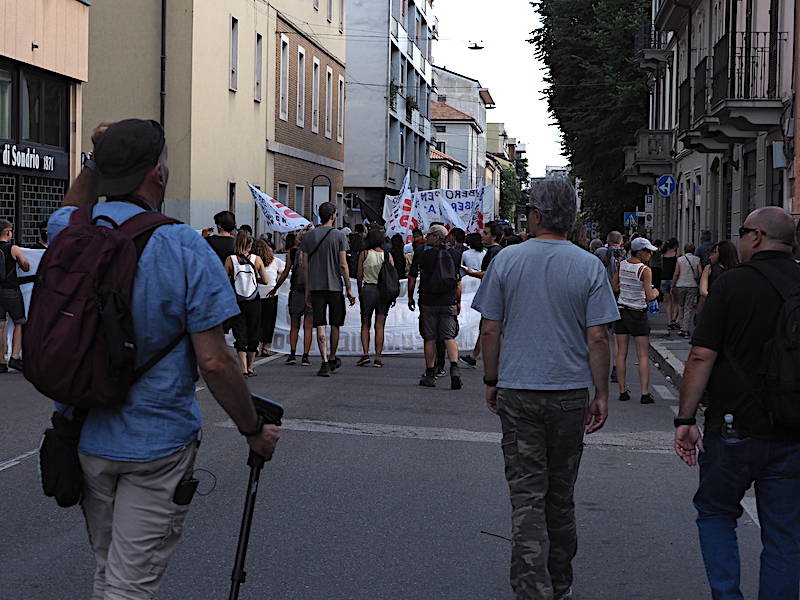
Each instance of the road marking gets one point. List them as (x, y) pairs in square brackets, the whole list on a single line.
[(649, 442), (664, 392), (263, 361), (749, 504), (13, 462)]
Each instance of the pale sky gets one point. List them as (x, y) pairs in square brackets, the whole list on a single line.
[(506, 66)]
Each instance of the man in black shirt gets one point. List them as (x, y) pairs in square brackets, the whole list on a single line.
[(11, 303), (741, 445), (439, 302), (222, 242)]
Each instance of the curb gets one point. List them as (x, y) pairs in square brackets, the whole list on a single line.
[(666, 361)]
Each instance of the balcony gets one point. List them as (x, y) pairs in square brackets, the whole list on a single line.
[(393, 28), (651, 48), (650, 158), (670, 14), (746, 95), (685, 105), (701, 88)]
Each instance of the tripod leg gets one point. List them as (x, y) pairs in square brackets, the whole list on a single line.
[(239, 575)]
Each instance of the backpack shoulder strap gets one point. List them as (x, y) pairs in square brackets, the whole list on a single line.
[(142, 226), (785, 286), (314, 251)]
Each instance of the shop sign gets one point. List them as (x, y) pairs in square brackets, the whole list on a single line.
[(26, 158)]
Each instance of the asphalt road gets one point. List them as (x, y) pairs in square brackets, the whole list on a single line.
[(379, 490)]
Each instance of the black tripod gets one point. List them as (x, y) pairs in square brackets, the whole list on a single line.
[(271, 412), (256, 463)]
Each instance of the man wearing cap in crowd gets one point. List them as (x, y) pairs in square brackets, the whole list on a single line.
[(135, 456), (634, 283), (439, 302)]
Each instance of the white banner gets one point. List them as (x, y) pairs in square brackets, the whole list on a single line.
[(277, 216), (467, 209), (404, 214), (402, 325)]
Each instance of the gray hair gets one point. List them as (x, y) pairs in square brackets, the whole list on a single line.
[(556, 200)]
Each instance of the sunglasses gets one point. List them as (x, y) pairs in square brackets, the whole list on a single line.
[(743, 231)]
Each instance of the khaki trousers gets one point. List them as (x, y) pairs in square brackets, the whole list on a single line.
[(132, 522), (542, 447)]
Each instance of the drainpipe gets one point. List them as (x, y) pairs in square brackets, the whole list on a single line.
[(163, 91)]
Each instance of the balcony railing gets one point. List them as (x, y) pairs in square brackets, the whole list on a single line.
[(747, 66), (701, 73), (653, 145), (649, 38), (685, 105)]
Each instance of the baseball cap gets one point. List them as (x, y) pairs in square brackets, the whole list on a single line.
[(437, 230), (124, 154), (642, 244)]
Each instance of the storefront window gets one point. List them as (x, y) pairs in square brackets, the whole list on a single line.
[(6, 95), (43, 110)]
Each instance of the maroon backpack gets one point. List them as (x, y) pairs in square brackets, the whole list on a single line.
[(78, 342)]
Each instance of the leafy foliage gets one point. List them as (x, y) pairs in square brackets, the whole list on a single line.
[(510, 193), (596, 93)]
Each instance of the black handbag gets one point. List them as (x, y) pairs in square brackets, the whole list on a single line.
[(59, 465)]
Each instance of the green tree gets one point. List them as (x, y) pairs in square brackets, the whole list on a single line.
[(510, 193), (596, 93)]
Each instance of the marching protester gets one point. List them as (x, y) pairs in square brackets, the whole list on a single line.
[(472, 258), (722, 258), (633, 281), (370, 263), (11, 303), (611, 255), (299, 312), (545, 341), (456, 238), (439, 301), (325, 269), (222, 242), (669, 259), (685, 287), (274, 266), (244, 270), (751, 436), (703, 251), (398, 255), (355, 246), (135, 455)]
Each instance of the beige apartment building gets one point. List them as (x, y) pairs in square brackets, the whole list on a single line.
[(213, 73), (43, 64)]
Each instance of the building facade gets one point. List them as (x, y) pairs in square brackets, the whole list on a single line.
[(43, 64), (447, 170), (469, 97), (222, 91), (459, 135), (721, 92), (388, 94)]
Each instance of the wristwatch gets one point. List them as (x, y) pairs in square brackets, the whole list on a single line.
[(490, 382), (256, 431), (680, 422)]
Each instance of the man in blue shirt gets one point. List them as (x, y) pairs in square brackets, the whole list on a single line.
[(134, 456)]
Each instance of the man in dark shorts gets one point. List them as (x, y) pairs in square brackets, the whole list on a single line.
[(324, 256), (11, 303), (439, 310), (222, 241)]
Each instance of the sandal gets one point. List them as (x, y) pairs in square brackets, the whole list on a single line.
[(378, 363), (252, 373), (264, 352), (364, 360)]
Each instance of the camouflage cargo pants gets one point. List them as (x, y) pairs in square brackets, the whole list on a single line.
[(542, 447)]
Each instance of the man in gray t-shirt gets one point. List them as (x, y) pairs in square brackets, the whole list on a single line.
[(549, 302), (325, 268)]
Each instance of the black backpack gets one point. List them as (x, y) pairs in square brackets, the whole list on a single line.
[(388, 281), (4, 268), (444, 275), (778, 378)]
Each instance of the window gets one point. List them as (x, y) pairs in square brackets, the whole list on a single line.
[(299, 199), (440, 128), (441, 147), (330, 10), (340, 112), (259, 65), (341, 16), (232, 196), (44, 110), (441, 98), (316, 4), (6, 96), (233, 83), (301, 86), (402, 145), (284, 83), (328, 102), (283, 193), (315, 96)]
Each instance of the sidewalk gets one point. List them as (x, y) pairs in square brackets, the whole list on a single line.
[(668, 350)]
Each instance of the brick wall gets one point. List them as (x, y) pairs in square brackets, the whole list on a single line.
[(294, 171)]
